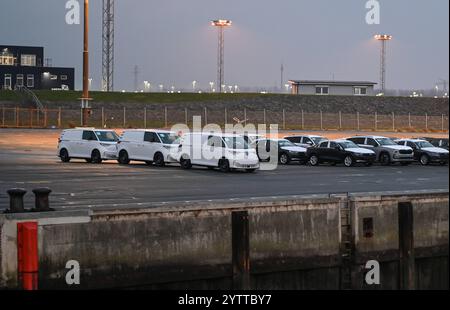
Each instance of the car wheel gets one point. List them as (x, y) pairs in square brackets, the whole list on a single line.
[(385, 159), (185, 162), (424, 160), (348, 161), (158, 160), (284, 159), (123, 158), (64, 155), (96, 158), (314, 160), (224, 165)]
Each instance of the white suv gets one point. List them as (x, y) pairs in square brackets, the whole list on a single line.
[(223, 151), (151, 146), (93, 145)]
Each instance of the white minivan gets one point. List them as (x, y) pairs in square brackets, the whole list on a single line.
[(93, 145), (156, 147), (223, 151)]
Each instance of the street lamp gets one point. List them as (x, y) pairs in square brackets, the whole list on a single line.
[(211, 86), (383, 38), (85, 106), (161, 88), (221, 24), (194, 83)]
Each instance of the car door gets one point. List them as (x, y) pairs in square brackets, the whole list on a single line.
[(416, 150), (213, 151), (149, 146), (88, 144), (322, 151), (333, 152), (306, 142)]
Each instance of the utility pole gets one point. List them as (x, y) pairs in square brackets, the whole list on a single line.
[(136, 77), (108, 46), (383, 38), (282, 77), (85, 106)]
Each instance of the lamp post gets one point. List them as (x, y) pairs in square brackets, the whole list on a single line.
[(221, 24), (383, 38), (85, 106)]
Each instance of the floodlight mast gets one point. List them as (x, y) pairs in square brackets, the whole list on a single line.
[(221, 24), (383, 38)]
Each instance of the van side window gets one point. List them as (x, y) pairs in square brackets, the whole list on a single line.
[(294, 139), (89, 136), (215, 141), (151, 137), (358, 140), (372, 142)]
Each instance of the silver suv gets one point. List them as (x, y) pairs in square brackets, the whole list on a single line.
[(386, 149)]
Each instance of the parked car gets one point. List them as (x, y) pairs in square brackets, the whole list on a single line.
[(425, 152), (287, 151), (306, 141), (340, 151), (223, 151), (93, 145), (156, 147), (386, 150), (250, 138), (437, 142)]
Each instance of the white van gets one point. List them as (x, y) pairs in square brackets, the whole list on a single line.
[(223, 151), (151, 146), (93, 145)]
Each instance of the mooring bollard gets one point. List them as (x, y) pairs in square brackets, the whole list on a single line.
[(42, 202), (240, 250), (16, 200)]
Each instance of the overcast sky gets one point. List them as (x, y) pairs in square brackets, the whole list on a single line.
[(173, 44)]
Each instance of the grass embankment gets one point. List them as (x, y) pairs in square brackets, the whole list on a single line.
[(71, 96)]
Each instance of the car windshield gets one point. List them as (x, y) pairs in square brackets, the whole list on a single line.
[(385, 141), (348, 145), (236, 143), (107, 136), (169, 138), (422, 144), (317, 140), (284, 143)]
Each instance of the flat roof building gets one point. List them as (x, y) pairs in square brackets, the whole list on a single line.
[(344, 88), (23, 66)]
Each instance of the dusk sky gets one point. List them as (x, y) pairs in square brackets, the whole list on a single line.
[(173, 43)]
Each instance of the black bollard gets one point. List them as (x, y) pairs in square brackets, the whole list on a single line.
[(42, 203), (16, 200)]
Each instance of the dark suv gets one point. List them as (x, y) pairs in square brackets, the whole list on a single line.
[(340, 151)]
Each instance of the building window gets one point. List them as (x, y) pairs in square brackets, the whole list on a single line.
[(63, 77), (19, 80), (30, 80), (28, 60), (6, 58), (53, 77), (8, 82), (322, 90), (360, 91)]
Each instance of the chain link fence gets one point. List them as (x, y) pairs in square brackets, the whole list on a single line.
[(165, 117)]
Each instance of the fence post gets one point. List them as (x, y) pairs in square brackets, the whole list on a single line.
[(240, 250), (321, 120), (340, 120), (284, 119), (406, 245), (303, 120), (357, 121), (226, 116), (16, 116), (3, 116), (376, 121), (59, 117), (45, 117), (103, 117), (145, 118), (442, 122), (31, 118), (186, 116), (165, 117), (206, 116), (393, 121), (245, 116), (265, 122), (426, 121), (409, 120), (124, 117)]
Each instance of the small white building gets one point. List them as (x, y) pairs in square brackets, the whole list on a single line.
[(323, 88)]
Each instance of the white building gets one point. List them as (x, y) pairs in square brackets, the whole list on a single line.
[(343, 88)]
